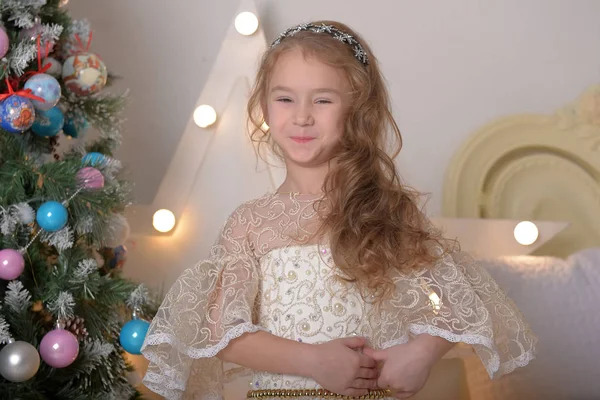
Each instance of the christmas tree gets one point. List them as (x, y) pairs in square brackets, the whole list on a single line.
[(67, 316)]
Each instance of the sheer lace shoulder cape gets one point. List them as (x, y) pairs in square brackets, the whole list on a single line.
[(219, 299)]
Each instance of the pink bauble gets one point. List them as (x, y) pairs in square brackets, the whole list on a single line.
[(46, 46), (59, 348), (4, 42), (12, 264), (90, 178)]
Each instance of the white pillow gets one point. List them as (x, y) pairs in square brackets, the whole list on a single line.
[(560, 300)]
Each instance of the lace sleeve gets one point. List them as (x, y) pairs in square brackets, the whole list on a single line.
[(458, 300), (208, 306)]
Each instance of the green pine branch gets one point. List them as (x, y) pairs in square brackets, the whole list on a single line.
[(29, 174)]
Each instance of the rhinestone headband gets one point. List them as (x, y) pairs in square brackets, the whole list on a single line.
[(332, 31)]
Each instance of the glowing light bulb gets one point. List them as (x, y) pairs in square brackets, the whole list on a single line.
[(163, 220), (246, 23), (205, 116), (526, 233)]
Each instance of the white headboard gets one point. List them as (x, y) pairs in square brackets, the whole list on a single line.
[(534, 167)]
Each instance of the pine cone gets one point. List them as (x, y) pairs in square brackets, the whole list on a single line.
[(52, 260), (37, 306), (76, 326)]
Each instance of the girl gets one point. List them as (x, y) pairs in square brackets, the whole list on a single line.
[(335, 284)]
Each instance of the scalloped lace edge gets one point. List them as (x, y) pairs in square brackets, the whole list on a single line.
[(167, 384), (493, 366)]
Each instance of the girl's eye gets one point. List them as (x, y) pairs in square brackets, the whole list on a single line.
[(324, 101), (284, 100)]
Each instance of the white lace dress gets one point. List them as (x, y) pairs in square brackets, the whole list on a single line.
[(258, 278)]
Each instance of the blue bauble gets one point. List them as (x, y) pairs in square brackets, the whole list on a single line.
[(75, 125), (133, 334), (44, 86), (52, 216), (48, 123), (16, 114), (94, 159)]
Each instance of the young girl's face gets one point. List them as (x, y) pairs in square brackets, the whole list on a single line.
[(306, 102)]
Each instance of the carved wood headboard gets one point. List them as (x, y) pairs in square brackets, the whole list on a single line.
[(534, 167)]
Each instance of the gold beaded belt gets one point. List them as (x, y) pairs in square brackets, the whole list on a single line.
[(318, 393)]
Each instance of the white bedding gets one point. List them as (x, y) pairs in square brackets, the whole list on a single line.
[(560, 299)]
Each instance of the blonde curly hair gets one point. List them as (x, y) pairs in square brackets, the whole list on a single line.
[(372, 220)]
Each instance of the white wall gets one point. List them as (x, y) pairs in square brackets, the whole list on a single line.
[(451, 67)]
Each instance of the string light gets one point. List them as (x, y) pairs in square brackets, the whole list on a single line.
[(526, 233), (246, 23), (205, 116), (163, 220)]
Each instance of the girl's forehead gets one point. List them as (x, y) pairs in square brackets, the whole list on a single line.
[(295, 58), (297, 67)]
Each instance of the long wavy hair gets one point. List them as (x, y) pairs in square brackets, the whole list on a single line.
[(373, 221)]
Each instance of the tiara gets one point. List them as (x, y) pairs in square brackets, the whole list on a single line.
[(332, 31)]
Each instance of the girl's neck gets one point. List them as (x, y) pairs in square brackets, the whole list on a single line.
[(291, 189), (300, 180)]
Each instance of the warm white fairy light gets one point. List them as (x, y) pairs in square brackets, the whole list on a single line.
[(205, 116), (163, 220), (526, 233), (246, 23)]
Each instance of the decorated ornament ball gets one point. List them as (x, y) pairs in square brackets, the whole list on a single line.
[(45, 86), (16, 114), (12, 264), (90, 178), (133, 335), (84, 74), (48, 123), (52, 216), (59, 348), (19, 361), (120, 257), (115, 258), (4, 42)]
